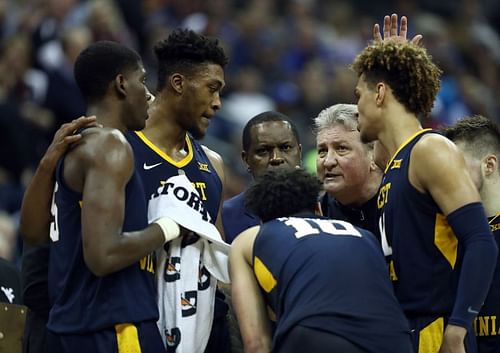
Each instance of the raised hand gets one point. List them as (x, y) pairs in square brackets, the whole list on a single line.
[(390, 30)]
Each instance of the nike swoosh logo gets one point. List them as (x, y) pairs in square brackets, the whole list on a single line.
[(148, 167), (472, 311)]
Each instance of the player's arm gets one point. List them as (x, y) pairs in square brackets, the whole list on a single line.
[(108, 165), (438, 167), (35, 209), (218, 164), (247, 299)]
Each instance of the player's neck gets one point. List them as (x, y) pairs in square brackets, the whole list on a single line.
[(399, 126), (490, 194), (162, 129), (107, 115)]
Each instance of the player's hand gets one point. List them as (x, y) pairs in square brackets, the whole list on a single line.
[(453, 339), (390, 30), (188, 237), (65, 136)]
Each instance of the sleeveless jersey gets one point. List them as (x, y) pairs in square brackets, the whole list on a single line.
[(423, 246), (155, 167), (82, 302), (487, 323), (328, 275)]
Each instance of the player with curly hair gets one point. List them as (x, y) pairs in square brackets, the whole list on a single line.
[(325, 280), (190, 79), (432, 220)]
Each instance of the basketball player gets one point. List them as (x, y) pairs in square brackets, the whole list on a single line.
[(429, 205), (191, 76), (325, 280), (190, 80), (100, 279), (479, 140), (270, 140), (35, 259)]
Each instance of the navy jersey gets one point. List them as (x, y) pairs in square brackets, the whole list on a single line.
[(236, 217), (487, 323), (155, 167), (364, 216), (328, 275), (423, 246), (82, 302)]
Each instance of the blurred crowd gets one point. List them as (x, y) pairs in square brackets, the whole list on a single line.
[(292, 56)]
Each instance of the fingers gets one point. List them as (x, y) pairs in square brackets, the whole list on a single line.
[(387, 26), (403, 28), (377, 36), (394, 25), (417, 40)]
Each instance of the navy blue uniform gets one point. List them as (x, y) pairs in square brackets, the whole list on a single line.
[(328, 275), (364, 216), (236, 218), (487, 324), (97, 306), (424, 248), (155, 167)]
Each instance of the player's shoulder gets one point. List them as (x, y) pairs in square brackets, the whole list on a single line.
[(106, 145), (434, 147), (211, 154)]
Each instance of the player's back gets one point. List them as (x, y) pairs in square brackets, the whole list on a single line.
[(487, 323), (82, 302), (328, 275), (423, 246)]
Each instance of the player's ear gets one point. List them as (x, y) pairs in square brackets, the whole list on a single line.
[(120, 85), (489, 165), (177, 82), (381, 92)]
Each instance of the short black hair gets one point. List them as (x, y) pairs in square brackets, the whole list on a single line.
[(262, 118), (480, 135), (99, 64), (183, 51), (283, 192)]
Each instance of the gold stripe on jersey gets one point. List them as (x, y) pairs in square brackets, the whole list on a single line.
[(402, 146), (445, 240), (127, 338), (392, 272), (264, 276), (431, 337), (182, 163)]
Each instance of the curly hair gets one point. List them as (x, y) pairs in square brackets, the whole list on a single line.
[(480, 135), (183, 51), (283, 192), (406, 68)]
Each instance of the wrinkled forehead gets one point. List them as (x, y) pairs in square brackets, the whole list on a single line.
[(272, 131)]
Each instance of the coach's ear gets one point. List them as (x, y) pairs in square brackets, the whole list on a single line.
[(317, 210)]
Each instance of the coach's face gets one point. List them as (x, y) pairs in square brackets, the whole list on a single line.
[(272, 145), (343, 162)]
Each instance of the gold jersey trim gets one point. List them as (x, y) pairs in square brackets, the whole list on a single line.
[(431, 337), (408, 140), (182, 163), (445, 240), (127, 338), (264, 276)]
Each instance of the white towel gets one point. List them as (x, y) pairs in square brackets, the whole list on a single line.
[(187, 276)]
